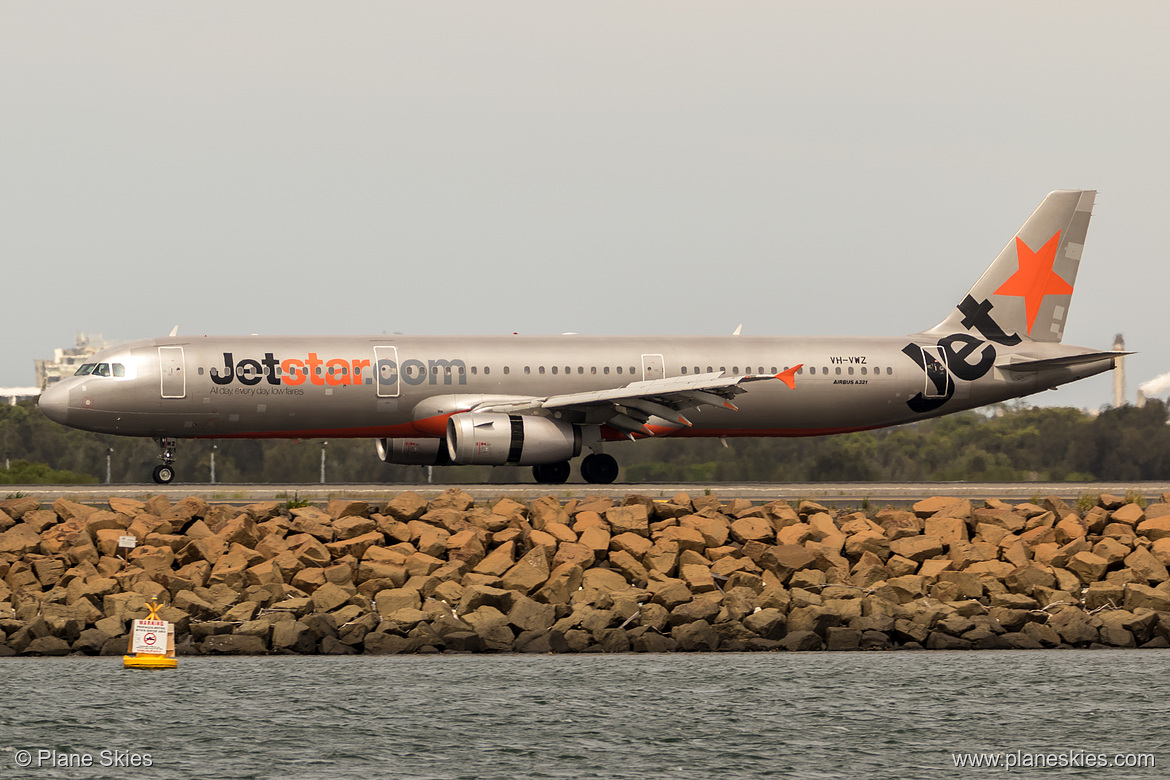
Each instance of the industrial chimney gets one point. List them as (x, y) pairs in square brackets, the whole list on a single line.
[(1119, 372)]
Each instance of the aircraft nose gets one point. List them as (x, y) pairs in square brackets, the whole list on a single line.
[(54, 403)]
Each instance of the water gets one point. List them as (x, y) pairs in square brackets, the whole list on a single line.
[(855, 715)]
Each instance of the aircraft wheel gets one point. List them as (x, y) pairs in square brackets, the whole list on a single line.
[(551, 473), (163, 474), (558, 473), (599, 468)]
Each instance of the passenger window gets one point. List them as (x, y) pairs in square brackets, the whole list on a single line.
[(488, 369), (684, 369), (605, 370), (619, 369), (473, 370), (735, 369), (889, 370), (633, 370), (580, 369), (505, 369), (838, 370), (527, 369), (540, 369), (593, 369), (863, 370), (850, 370), (554, 369)]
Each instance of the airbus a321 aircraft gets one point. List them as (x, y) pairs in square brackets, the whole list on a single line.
[(543, 400)]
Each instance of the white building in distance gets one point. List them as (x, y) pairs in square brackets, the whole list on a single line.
[(66, 361)]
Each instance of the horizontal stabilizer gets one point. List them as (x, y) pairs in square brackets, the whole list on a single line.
[(1060, 362)]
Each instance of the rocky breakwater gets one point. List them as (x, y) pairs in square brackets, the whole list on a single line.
[(594, 575)]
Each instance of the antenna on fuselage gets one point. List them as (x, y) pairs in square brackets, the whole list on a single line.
[(174, 332)]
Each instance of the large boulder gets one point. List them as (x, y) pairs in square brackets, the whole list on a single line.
[(698, 636), (917, 548), (529, 573), (233, 644), (629, 519), (1074, 626), (20, 540)]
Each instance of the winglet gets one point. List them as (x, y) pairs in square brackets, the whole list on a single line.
[(788, 376)]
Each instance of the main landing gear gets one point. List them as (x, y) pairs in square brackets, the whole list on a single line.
[(165, 473), (551, 473), (598, 469)]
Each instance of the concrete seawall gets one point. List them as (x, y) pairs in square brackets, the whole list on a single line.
[(408, 575)]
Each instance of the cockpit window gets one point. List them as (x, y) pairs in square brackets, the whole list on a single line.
[(101, 369)]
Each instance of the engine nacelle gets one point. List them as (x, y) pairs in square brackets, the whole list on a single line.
[(414, 452), (510, 439)]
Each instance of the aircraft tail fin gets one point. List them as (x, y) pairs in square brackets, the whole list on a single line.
[(1024, 295)]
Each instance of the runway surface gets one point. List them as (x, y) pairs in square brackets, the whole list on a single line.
[(849, 493)]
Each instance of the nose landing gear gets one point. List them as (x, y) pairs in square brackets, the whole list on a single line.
[(165, 473)]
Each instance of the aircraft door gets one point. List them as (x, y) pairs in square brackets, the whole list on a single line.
[(386, 371), (173, 382), (652, 367), (938, 379)]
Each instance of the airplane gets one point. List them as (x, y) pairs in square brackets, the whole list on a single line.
[(542, 401)]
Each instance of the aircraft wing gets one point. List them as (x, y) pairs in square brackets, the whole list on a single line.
[(1027, 366), (628, 408)]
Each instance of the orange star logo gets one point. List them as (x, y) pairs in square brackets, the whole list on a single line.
[(1035, 277)]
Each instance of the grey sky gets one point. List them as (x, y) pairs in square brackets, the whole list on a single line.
[(649, 167)]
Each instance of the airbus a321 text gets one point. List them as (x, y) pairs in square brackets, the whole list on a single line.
[(541, 401)]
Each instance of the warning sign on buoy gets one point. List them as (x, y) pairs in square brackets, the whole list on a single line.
[(152, 641), (150, 636)]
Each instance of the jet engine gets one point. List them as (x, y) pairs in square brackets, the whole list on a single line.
[(414, 452), (512, 439)]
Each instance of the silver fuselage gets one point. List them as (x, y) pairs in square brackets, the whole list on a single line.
[(407, 386)]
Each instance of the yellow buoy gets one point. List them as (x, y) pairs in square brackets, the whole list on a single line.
[(149, 652)]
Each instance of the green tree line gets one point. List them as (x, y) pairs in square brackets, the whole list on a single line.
[(1005, 443)]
